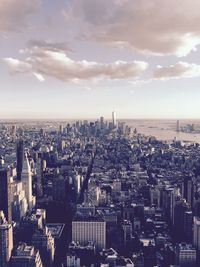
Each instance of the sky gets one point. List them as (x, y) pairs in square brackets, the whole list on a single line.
[(85, 58)]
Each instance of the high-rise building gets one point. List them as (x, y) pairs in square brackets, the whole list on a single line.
[(89, 229), (26, 177), (185, 255), (39, 174), (26, 256), (5, 192), (33, 220), (6, 241), (180, 207), (60, 190), (20, 158), (127, 228), (73, 261), (155, 196), (84, 255), (44, 242), (114, 120), (19, 201), (60, 129), (188, 222), (101, 122), (187, 190), (13, 130), (196, 233), (178, 126)]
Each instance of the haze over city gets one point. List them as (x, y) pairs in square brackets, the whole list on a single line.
[(82, 59), (99, 133)]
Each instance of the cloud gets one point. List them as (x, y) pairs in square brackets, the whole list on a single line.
[(13, 13), (39, 76), (47, 45), (43, 62), (148, 26), (17, 66), (176, 71)]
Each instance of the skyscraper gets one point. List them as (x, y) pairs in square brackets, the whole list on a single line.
[(60, 129), (5, 193), (178, 126), (26, 177), (187, 190), (185, 255), (39, 171), (196, 233), (114, 120), (44, 242), (89, 229), (188, 222), (27, 256), (6, 240), (19, 201), (20, 158), (13, 130), (101, 122), (60, 190)]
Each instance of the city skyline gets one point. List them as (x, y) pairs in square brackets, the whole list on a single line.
[(79, 59)]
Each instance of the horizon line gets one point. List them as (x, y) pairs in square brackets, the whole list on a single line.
[(91, 118)]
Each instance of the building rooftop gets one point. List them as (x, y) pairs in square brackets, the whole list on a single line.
[(56, 229)]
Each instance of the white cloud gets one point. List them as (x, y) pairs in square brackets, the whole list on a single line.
[(43, 62), (17, 66), (39, 77), (176, 71), (148, 26), (13, 13)]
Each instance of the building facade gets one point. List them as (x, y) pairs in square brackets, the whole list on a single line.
[(89, 231), (6, 240)]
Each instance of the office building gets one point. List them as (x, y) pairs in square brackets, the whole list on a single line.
[(26, 256), (178, 126), (5, 192), (127, 229), (33, 220), (26, 177), (60, 129), (196, 233), (39, 173), (44, 242), (114, 120), (101, 122), (60, 190), (185, 255), (187, 190), (90, 229), (73, 261), (19, 201), (86, 254), (155, 196), (6, 240), (188, 222), (20, 158), (13, 130)]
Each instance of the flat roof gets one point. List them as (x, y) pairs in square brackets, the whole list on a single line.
[(56, 229)]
